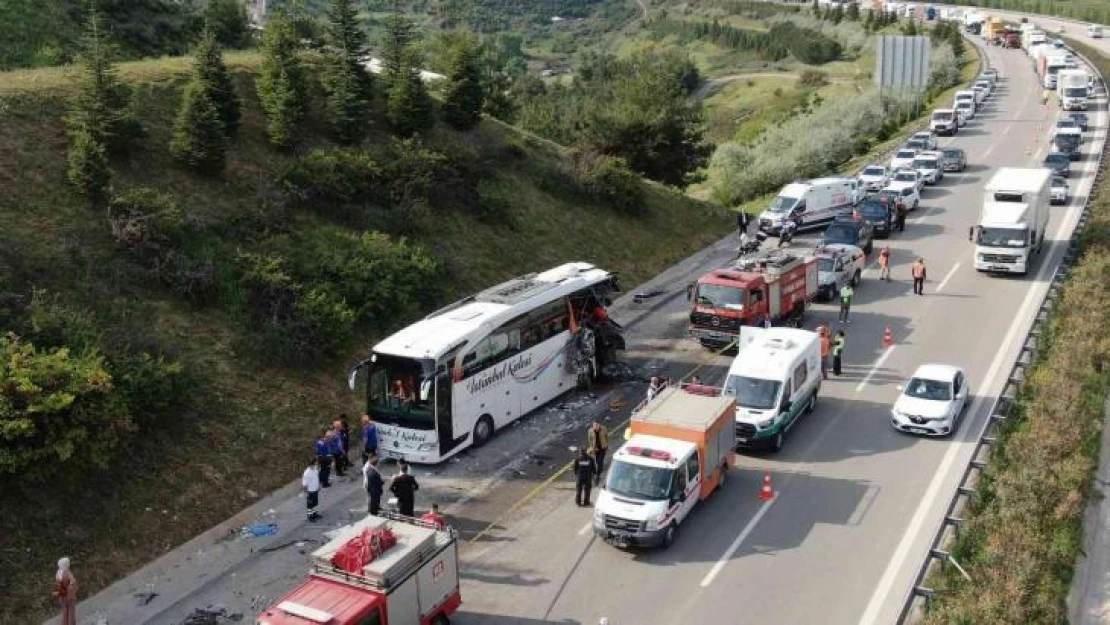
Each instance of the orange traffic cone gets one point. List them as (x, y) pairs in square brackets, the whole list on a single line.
[(888, 338), (766, 493)]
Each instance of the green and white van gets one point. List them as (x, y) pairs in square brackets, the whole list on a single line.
[(775, 378)]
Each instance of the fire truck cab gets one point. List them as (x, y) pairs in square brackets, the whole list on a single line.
[(773, 287), (412, 582)]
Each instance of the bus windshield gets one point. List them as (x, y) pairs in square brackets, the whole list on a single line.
[(637, 481), (393, 394)]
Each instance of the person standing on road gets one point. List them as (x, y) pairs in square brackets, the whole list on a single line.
[(435, 518), (343, 436), (336, 445), (742, 223), (323, 458), (65, 591), (310, 482), (884, 263), (900, 210), (373, 483), (838, 352), (597, 443), (846, 294), (404, 488), (823, 332), (585, 470), (654, 387), (918, 272), (369, 438)]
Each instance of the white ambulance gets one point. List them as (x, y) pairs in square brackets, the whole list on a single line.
[(811, 203)]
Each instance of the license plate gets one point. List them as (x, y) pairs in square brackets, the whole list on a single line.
[(999, 268), (921, 430), (621, 538)]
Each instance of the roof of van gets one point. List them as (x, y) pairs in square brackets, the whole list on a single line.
[(676, 448), (768, 353)]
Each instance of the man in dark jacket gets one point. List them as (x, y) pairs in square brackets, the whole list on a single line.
[(323, 455), (584, 470), (404, 488), (374, 484)]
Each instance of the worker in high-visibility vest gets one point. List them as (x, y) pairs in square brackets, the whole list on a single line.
[(838, 351), (825, 347), (918, 271)]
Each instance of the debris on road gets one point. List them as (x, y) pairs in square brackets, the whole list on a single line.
[(640, 297), (261, 529), (212, 615), (143, 598)]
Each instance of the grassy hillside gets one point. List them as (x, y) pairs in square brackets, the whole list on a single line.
[(244, 424)]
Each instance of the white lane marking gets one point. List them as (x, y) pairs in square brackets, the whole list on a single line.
[(585, 529), (948, 277), (875, 367), (989, 150), (720, 565), (1022, 320)]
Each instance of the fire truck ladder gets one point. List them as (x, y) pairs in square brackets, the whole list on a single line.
[(771, 262)]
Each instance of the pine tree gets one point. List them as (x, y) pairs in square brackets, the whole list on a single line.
[(399, 36), (209, 67), (281, 82), (99, 115), (869, 21), (87, 164), (464, 96), (409, 107), (346, 82), (198, 132)]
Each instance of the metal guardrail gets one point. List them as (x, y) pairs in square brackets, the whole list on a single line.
[(1001, 410)]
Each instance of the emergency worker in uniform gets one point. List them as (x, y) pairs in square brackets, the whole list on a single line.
[(584, 470)]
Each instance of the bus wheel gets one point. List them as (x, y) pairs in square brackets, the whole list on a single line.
[(483, 430)]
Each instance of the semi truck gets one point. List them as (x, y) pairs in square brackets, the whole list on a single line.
[(679, 449), (1073, 86), (384, 570), (771, 287), (1013, 220)]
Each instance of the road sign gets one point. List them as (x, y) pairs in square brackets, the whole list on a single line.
[(902, 63)]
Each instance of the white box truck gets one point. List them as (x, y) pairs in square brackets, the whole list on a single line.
[(1013, 220), (811, 203), (775, 378), (1053, 65), (679, 450), (1073, 86)]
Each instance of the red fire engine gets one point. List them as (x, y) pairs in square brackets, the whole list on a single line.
[(382, 571), (771, 287)]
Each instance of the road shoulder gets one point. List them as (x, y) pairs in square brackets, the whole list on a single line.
[(1089, 598)]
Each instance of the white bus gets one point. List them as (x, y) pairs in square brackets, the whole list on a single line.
[(449, 381)]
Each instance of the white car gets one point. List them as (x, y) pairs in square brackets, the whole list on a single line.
[(1058, 192), (926, 136), (927, 165), (874, 177), (965, 110), (905, 194), (902, 158), (908, 177), (932, 402), (980, 95), (986, 85)]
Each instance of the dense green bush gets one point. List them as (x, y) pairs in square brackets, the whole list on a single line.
[(608, 180), (808, 46), (759, 42), (146, 223)]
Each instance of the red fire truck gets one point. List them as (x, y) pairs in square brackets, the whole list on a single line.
[(772, 287), (388, 570)]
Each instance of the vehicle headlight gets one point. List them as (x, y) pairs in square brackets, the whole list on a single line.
[(765, 423), (599, 517), (654, 522)]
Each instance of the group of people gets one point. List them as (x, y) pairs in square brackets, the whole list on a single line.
[(590, 463), (834, 346), (333, 450)]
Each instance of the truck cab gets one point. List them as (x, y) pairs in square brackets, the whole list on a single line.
[(1067, 141), (1013, 220), (769, 287), (679, 452)]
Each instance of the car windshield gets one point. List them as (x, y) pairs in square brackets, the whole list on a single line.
[(964, 106), (755, 393), (905, 176), (1002, 237), (942, 117), (842, 233), (1059, 183), (872, 210), (874, 171), (1075, 92), (719, 296), (782, 203), (1056, 159), (937, 390), (905, 154), (952, 153), (887, 196), (916, 143), (925, 163), (637, 481), (825, 265), (1067, 123)]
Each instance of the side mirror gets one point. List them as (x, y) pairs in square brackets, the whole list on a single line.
[(787, 406), (425, 389), (900, 387)]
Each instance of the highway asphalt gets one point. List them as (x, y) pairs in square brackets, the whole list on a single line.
[(856, 500)]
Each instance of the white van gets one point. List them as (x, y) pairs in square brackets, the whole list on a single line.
[(966, 94), (1094, 31), (775, 377), (810, 204)]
